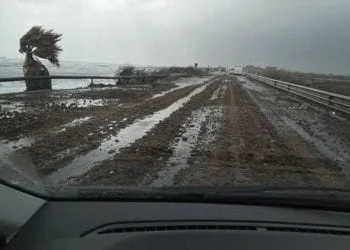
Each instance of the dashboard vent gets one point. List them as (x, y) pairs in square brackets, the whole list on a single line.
[(308, 230), (176, 228), (185, 226)]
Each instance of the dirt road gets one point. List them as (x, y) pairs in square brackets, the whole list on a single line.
[(233, 143), (219, 131)]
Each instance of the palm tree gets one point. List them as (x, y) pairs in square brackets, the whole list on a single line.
[(39, 43)]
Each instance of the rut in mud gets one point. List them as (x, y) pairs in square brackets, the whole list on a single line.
[(61, 125), (81, 139), (233, 143), (213, 131), (249, 151), (147, 156)]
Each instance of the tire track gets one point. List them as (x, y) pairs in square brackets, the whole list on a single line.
[(56, 150), (249, 151), (140, 163)]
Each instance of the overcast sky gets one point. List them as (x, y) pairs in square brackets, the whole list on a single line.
[(308, 35)]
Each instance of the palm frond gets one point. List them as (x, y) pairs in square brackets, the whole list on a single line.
[(41, 43)]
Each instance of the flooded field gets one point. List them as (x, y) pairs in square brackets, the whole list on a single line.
[(217, 130)]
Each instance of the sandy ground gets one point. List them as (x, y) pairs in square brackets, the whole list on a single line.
[(218, 131)]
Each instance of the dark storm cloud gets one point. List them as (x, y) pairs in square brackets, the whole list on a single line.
[(302, 35)]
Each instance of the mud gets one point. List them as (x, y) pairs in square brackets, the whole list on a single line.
[(247, 148), (61, 132), (250, 151), (141, 162), (228, 131)]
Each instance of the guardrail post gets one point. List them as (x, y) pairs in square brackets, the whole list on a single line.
[(92, 81), (330, 101)]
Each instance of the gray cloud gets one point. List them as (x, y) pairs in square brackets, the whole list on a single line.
[(309, 35)]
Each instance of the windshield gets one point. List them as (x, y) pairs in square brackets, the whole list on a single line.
[(154, 94)]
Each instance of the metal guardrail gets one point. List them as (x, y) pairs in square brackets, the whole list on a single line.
[(332, 100), (92, 77)]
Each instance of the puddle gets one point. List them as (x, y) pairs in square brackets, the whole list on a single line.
[(182, 83), (219, 93), (271, 98), (167, 92), (123, 139), (337, 155), (71, 124), (16, 166), (191, 81), (17, 144), (188, 141), (251, 85), (223, 90), (213, 125), (215, 94), (6, 106), (141, 87), (7, 116), (287, 114), (12, 87), (81, 103), (76, 122)]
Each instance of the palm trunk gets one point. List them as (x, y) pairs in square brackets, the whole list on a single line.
[(32, 68)]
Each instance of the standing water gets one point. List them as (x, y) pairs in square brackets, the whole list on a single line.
[(123, 139), (13, 68)]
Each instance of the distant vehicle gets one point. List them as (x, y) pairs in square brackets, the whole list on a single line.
[(237, 70)]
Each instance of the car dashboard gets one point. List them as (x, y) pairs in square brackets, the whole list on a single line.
[(174, 225)]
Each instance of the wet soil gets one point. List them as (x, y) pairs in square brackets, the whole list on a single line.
[(142, 161), (231, 132), (56, 144), (248, 149)]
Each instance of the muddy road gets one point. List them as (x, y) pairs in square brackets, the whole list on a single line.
[(218, 130)]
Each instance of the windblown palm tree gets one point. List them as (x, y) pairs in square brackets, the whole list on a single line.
[(39, 43)]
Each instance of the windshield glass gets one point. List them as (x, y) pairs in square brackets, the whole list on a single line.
[(157, 94)]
